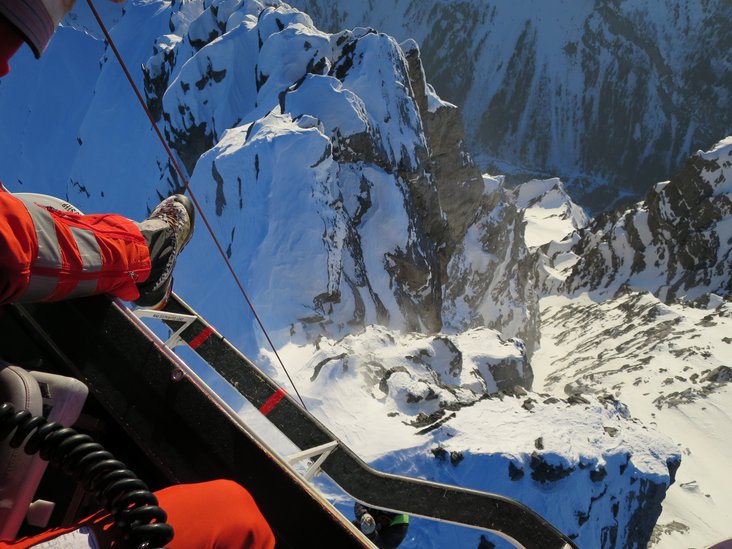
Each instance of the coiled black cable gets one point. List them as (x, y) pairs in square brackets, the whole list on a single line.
[(127, 499)]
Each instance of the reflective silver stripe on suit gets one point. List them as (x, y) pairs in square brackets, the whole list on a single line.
[(49, 255), (39, 287), (88, 248), (91, 256), (83, 289)]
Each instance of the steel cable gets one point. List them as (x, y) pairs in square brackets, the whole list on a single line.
[(183, 178)]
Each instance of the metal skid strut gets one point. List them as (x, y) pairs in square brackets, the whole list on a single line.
[(175, 339), (322, 451)]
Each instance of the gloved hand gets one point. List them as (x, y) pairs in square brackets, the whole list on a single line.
[(368, 524), (37, 19)]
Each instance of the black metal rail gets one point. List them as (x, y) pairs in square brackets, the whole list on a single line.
[(504, 516)]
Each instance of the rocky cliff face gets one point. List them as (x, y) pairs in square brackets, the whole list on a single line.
[(675, 244), (491, 279), (608, 95), (363, 104)]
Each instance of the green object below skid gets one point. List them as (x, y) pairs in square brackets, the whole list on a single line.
[(399, 519)]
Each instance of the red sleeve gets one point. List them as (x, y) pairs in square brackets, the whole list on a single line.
[(10, 41)]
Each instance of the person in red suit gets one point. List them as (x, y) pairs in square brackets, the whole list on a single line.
[(48, 254)]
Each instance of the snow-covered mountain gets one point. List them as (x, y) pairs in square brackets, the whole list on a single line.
[(637, 304), (674, 244), (425, 311), (615, 93)]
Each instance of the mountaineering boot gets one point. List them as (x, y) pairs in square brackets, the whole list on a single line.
[(167, 231), (367, 524)]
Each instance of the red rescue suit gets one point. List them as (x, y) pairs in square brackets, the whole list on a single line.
[(48, 255), (211, 515)]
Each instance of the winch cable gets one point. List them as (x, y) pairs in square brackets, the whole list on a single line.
[(184, 179)]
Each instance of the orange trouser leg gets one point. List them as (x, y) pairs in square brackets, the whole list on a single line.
[(211, 515), (119, 261), (214, 515), (17, 246)]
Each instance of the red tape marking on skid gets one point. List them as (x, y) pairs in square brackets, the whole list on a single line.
[(272, 401), (200, 338)]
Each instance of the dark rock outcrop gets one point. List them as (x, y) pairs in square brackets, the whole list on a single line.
[(674, 244)]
